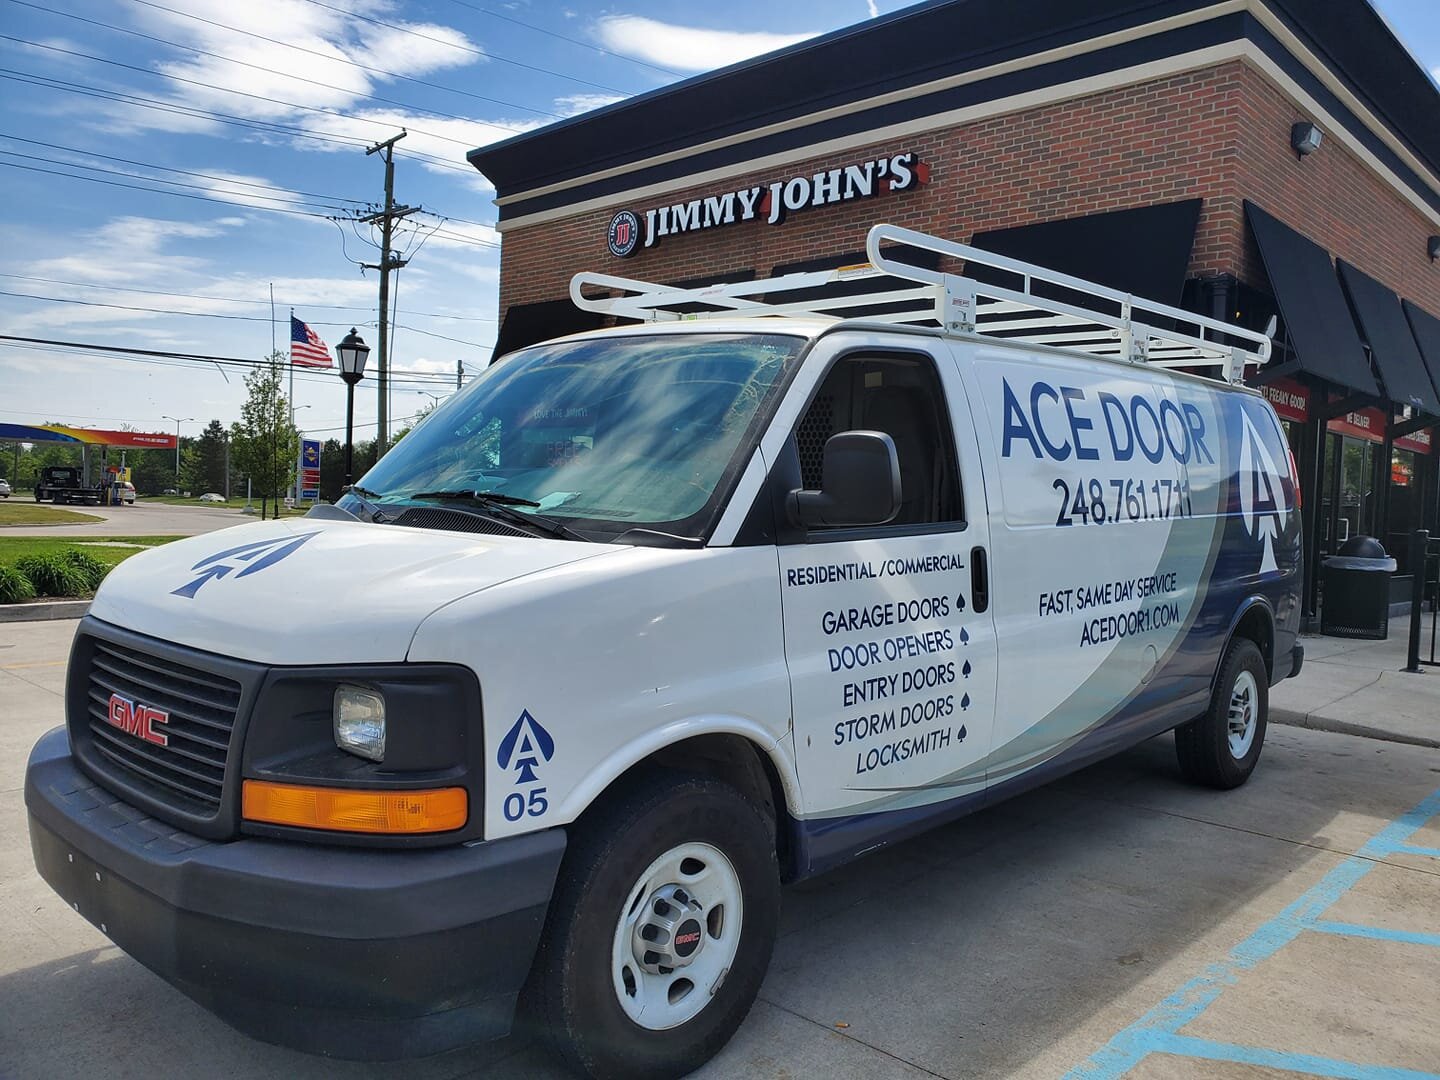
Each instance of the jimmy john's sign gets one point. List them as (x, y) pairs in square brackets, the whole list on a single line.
[(630, 231)]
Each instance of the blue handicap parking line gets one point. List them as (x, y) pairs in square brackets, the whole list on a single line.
[(1185, 1046), (1411, 849), (1379, 933), (1158, 1030)]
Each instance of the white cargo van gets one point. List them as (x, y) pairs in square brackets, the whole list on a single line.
[(645, 622)]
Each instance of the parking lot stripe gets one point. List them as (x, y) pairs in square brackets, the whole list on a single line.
[(1157, 1030), (1377, 932), (1411, 849), (1185, 1046)]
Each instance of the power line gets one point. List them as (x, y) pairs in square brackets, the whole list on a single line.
[(188, 360), (260, 97), (213, 315), (162, 191), (230, 119), (340, 60), (174, 183), (183, 172), (573, 41), (233, 300), (467, 48), (246, 64)]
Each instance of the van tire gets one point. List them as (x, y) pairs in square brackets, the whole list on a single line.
[(1221, 747), (574, 991)]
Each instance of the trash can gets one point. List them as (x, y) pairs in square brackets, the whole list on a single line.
[(1357, 590)]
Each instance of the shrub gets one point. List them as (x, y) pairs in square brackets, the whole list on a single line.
[(53, 575), (91, 568), (14, 586)]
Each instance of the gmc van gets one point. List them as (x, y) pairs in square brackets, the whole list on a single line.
[(647, 621)]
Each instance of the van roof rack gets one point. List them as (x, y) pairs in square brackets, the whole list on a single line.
[(1038, 306)]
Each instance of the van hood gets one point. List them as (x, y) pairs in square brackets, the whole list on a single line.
[(314, 591)]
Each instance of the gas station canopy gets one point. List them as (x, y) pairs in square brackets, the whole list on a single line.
[(134, 440)]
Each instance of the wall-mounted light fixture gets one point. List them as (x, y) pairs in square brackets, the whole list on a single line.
[(1432, 248), (1305, 138)]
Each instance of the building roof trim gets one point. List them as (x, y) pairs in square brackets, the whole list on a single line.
[(924, 89), (1241, 49), (1270, 17)]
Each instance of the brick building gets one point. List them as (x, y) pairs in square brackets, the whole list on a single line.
[(1163, 147)]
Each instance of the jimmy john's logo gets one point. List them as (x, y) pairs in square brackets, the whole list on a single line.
[(770, 203), (624, 234)]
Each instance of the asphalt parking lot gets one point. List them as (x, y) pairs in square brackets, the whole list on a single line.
[(1116, 924)]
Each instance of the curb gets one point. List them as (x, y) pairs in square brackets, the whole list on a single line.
[(47, 609), (1290, 718)]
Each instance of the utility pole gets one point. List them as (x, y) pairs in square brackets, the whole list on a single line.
[(386, 219)]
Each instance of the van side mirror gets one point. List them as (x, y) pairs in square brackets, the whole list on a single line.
[(859, 483)]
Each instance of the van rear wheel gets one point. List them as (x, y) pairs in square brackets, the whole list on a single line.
[(1220, 748), (660, 930)]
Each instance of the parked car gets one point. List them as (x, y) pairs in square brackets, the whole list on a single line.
[(127, 493), (211, 496), (170, 491), (4, 489)]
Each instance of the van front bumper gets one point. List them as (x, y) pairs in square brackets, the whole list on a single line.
[(350, 952)]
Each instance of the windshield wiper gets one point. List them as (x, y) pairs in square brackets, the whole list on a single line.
[(502, 506), (364, 497), (468, 493)]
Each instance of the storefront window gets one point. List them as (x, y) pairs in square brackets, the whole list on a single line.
[(1405, 505)]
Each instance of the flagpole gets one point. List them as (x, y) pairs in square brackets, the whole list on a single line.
[(296, 489)]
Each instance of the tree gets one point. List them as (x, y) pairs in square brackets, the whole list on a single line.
[(203, 461), (264, 443)]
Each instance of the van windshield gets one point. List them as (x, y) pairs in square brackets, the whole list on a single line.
[(611, 434)]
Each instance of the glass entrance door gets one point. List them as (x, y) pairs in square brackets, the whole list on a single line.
[(1350, 493)]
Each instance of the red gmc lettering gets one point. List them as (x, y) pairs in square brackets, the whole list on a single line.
[(138, 720)]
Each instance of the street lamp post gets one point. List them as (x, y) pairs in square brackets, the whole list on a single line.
[(178, 422), (352, 353)]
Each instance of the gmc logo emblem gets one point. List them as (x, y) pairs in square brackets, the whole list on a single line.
[(142, 721)]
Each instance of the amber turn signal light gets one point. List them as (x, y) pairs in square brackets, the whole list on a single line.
[(431, 810)]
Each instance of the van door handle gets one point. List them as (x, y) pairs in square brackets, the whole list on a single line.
[(979, 580)]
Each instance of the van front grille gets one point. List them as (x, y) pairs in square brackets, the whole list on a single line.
[(182, 763)]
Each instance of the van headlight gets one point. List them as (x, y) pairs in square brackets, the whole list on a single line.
[(359, 716)]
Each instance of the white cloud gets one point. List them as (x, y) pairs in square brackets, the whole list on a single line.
[(874, 11), (575, 104), (690, 48), (327, 81)]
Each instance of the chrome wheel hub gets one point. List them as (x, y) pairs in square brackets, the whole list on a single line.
[(677, 936), (1242, 714), (670, 932)]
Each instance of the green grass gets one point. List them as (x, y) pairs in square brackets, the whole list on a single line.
[(14, 512), (90, 557)]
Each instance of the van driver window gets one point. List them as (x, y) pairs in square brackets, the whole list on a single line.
[(901, 396)]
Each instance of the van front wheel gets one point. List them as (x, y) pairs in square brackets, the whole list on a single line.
[(660, 930), (1220, 748)]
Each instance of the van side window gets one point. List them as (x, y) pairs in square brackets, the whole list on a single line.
[(901, 396)]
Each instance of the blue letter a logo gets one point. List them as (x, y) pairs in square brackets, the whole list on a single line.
[(524, 746)]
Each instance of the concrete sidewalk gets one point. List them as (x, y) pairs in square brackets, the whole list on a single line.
[(1359, 688)]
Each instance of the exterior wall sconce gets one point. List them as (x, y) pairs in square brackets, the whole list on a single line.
[(1432, 248), (1305, 138)]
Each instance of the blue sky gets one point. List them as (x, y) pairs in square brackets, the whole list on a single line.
[(240, 111)]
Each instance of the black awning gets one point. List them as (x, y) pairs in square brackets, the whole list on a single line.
[(1392, 345), (1145, 252), (1426, 328), (526, 324), (1307, 292)]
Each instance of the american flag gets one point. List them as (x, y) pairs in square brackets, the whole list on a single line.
[(306, 348)]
